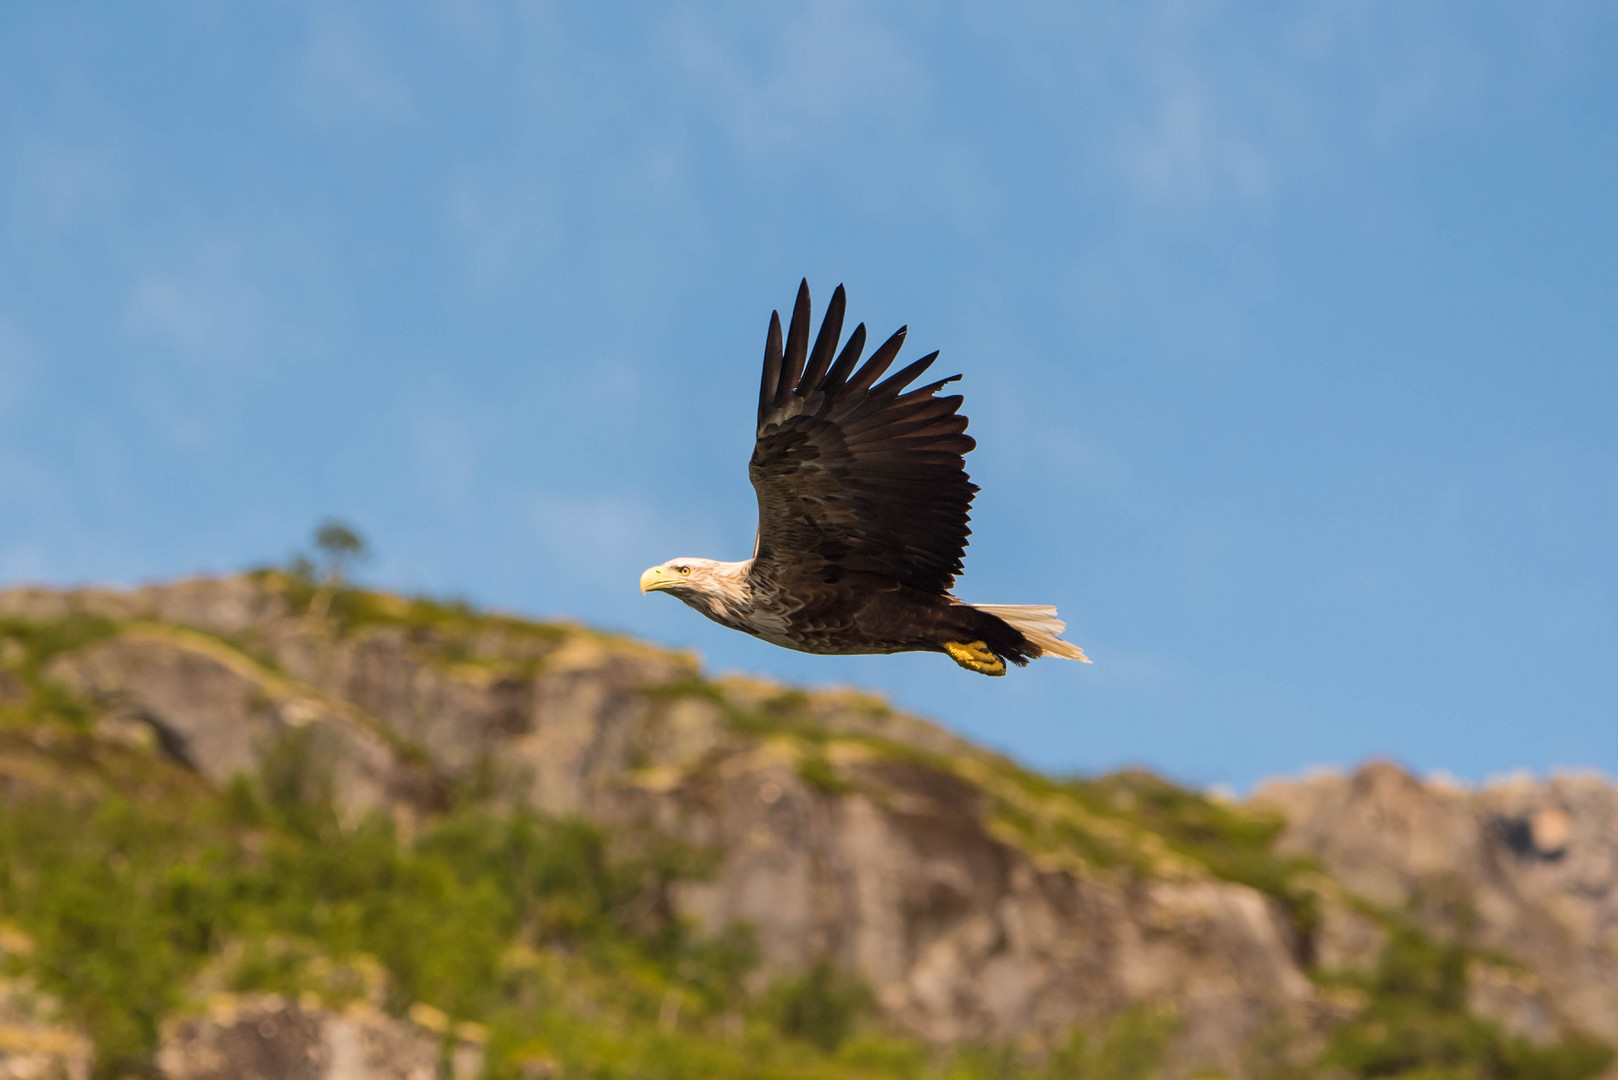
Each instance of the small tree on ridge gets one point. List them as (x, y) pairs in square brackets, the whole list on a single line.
[(340, 545)]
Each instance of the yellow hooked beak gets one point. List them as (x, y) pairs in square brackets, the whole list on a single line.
[(658, 577)]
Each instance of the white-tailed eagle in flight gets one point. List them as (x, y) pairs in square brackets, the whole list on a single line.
[(863, 503)]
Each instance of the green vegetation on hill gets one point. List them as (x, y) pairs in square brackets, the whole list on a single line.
[(555, 937), (1416, 1026), (140, 891), (1129, 821), (26, 647)]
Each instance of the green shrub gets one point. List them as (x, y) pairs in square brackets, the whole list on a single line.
[(1131, 1047), (821, 1006), (39, 641), (126, 902), (1233, 843), (44, 639), (815, 770), (1415, 1025), (118, 923)]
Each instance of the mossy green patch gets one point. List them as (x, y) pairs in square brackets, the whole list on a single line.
[(42, 640), (1131, 1046), (688, 686), (815, 770), (29, 646), (820, 1006), (1234, 843), (558, 936), (127, 901), (135, 883), (451, 632), (1415, 1024)]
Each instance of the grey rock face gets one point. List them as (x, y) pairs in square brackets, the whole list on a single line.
[(219, 713), (225, 606), (892, 871), (1528, 868), (890, 863), (34, 1044), (265, 1037), (965, 938), (12, 689)]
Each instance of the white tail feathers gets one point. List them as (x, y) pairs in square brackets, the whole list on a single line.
[(1039, 624)]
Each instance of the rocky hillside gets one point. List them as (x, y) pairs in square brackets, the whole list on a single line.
[(250, 827)]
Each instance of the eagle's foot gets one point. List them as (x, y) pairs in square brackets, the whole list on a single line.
[(975, 656)]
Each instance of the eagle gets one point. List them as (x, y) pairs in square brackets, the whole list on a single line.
[(863, 504)]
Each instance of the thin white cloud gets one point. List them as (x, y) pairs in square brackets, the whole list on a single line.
[(793, 88), (57, 184), (781, 79), (1188, 148), (1224, 112), (499, 223), (343, 76), (203, 308), (448, 438), (1443, 81), (204, 324), (474, 20)]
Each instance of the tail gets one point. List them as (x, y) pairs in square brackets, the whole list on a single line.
[(1039, 624)]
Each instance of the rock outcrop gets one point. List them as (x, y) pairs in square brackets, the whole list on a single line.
[(34, 1042), (979, 903), (965, 937), (1524, 867), (265, 1037)]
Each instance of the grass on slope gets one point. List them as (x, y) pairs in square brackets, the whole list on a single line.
[(126, 902), (1131, 821), (26, 647), (555, 937), (560, 939), (1415, 1025), (451, 632)]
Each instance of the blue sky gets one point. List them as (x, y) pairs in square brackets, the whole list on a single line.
[(1290, 336)]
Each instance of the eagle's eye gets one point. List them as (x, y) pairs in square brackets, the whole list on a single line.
[(682, 570)]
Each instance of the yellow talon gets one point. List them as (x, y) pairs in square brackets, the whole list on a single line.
[(975, 656)]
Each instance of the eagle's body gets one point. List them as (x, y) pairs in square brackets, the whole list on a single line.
[(863, 506)]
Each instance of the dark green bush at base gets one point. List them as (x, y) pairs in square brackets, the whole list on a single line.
[(1416, 1026)]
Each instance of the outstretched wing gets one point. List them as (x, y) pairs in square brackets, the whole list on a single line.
[(855, 476)]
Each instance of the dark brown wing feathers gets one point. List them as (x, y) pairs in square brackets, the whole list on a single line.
[(846, 360), (874, 367), (852, 475), (772, 367), (831, 329), (797, 347)]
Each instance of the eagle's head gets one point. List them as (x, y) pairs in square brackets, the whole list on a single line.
[(705, 584)]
